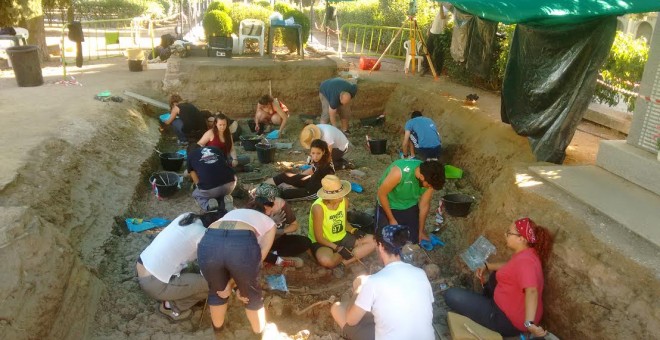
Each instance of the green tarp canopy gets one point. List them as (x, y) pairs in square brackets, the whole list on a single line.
[(552, 12)]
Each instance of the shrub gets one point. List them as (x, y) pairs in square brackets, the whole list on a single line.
[(263, 3), (217, 23), (623, 68), (218, 6), (290, 36), (240, 12), (107, 9)]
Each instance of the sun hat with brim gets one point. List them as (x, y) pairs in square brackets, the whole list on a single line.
[(332, 188), (308, 134)]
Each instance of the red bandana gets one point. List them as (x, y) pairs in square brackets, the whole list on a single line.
[(525, 228)]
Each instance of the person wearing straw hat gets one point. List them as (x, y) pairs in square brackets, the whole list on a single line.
[(334, 241), (394, 303), (337, 142), (336, 95), (404, 196)]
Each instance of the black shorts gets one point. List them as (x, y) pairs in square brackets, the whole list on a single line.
[(364, 330), (347, 242)]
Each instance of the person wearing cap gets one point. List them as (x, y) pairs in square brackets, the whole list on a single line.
[(270, 111), (230, 254), (306, 184), (336, 95), (286, 245), (337, 142), (160, 264), (212, 175), (394, 303), (186, 119), (404, 194), (421, 138), (512, 300), (334, 240), (220, 136)]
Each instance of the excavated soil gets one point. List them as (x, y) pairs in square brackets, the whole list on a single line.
[(68, 258)]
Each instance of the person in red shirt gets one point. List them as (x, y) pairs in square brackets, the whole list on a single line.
[(512, 299)]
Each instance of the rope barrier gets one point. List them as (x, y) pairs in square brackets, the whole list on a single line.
[(629, 93)]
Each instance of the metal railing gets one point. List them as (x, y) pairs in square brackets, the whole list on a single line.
[(372, 40), (109, 38)]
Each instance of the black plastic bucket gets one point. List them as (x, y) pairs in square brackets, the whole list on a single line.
[(135, 65), (378, 146), (252, 125), (171, 161), (457, 205), (26, 64), (250, 142), (166, 182), (266, 153)]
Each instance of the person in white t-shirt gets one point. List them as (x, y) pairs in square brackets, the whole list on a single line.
[(433, 39), (337, 142), (395, 303), (159, 265), (230, 254)]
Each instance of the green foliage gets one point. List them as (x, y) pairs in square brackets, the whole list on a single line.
[(623, 69), (263, 3), (290, 36), (106, 9), (504, 48), (240, 11), (217, 23), (218, 6)]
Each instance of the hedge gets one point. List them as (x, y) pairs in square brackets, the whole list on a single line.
[(217, 23)]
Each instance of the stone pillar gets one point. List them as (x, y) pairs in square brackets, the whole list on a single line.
[(646, 120)]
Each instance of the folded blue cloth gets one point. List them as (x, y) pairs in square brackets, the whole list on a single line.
[(164, 117), (305, 167), (273, 134), (356, 187), (429, 245), (183, 153), (137, 224)]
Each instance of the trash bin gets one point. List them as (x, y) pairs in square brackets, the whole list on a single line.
[(26, 64)]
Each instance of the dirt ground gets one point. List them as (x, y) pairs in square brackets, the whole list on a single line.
[(124, 311)]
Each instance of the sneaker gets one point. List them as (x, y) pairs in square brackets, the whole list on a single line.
[(338, 272), (212, 205), (173, 315), (291, 262)]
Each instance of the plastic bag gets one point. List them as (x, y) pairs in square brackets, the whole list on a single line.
[(277, 282), (478, 253)]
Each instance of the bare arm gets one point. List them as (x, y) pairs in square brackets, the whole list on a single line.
[(333, 116), (291, 228), (266, 242), (206, 138), (404, 143), (173, 114), (531, 302), (354, 313), (257, 118), (194, 177), (391, 181), (317, 220), (424, 207), (281, 113)]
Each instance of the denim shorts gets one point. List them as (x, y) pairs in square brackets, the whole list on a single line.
[(225, 254)]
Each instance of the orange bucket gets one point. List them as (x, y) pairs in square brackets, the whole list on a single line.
[(367, 63)]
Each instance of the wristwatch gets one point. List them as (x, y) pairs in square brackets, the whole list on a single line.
[(528, 324)]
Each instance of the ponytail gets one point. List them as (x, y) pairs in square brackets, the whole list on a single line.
[(543, 244)]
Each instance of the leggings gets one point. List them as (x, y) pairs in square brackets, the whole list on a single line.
[(481, 308), (288, 245)]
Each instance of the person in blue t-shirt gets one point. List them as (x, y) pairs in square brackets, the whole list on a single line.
[(421, 138), (336, 95)]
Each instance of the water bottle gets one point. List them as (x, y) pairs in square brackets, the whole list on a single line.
[(438, 215), (407, 253), (309, 160), (229, 203)]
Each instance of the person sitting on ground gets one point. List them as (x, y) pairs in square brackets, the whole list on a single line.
[(335, 95), (286, 244), (404, 196), (187, 121), (394, 303), (335, 241), (425, 138), (211, 174), (220, 137), (337, 142), (270, 111), (159, 265), (512, 300), (306, 184), (233, 248)]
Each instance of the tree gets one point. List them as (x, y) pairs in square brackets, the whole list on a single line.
[(30, 14)]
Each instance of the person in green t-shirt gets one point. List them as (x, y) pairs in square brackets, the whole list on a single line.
[(404, 196)]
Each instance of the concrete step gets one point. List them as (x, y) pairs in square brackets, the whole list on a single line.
[(626, 203)]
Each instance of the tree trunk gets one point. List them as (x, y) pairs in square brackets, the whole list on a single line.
[(38, 35)]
